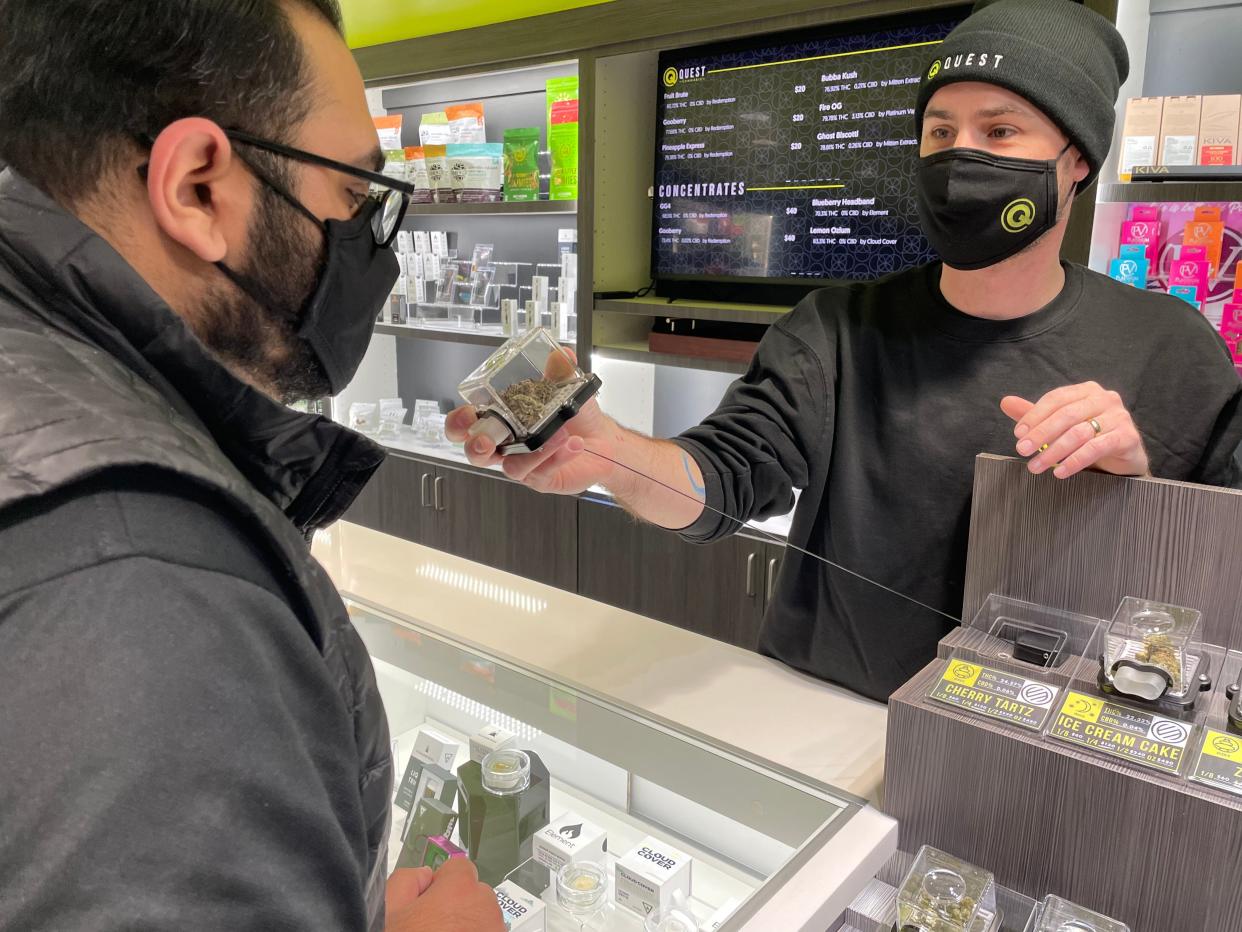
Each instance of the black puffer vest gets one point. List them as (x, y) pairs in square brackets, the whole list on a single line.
[(97, 373)]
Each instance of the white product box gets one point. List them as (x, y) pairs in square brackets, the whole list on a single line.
[(569, 839), (521, 911), (432, 746), (422, 242), (493, 737), (718, 918), (648, 877), (1179, 130), (439, 245)]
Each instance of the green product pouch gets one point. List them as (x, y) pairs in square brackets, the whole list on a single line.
[(563, 142), (522, 164)]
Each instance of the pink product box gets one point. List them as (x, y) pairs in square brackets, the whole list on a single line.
[(1190, 269), (1231, 329), (1143, 232)]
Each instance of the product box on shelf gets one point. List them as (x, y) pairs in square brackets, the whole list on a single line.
[(1179, 130), (1231, 327), (1218, 129), (648, 877), (1140, 133), (433, 746), (1188, 275), (569, 838), (1207, 230), (1143, 228), (1131, 267), (947, 894), (491, 738), (521, 911)]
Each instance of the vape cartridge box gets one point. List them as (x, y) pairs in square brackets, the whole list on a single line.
[(1145, 232), (493, 737), (422, 242), (1140, 133), (521, 911), (439, 245), (1231, 328), (436, 783), (439, 851), (1188, 293), (432, 746), (1206, 230), (408, 788), (570, 838), (1218, 129), (1129, 271), (1179, 130), (648, 877)]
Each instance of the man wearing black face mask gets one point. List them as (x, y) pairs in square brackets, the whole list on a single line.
[(192, 735), (874, 398)]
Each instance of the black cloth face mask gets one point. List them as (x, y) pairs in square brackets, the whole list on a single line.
[(357, 277), (978, 209)]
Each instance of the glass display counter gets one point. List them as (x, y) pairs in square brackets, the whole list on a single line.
[(689, 826)]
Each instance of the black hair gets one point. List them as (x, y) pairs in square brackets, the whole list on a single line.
[(82, 80)]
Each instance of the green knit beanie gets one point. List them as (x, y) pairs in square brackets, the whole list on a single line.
[(1065, 59)]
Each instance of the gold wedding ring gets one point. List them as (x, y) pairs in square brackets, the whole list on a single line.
[(1095, 426)]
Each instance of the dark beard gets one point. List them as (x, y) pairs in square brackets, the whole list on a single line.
[(259, 341)]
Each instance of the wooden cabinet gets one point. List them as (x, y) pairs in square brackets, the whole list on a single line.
[(720, 590), (583, 545), (481, 517)]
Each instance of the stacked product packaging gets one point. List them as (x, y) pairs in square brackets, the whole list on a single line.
[(1190, 251), (1188, 130), (455, 164), (547, 872)]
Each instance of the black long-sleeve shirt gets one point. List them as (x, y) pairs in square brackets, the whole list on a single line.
[(875, 398)]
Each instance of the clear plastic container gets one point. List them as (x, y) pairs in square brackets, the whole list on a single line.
[(1057, 915), (942, 893), (526, 390), (582, 902), (1153, 651)]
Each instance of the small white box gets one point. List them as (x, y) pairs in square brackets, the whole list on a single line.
[(521, 911), (439, 245), (569, 839), (718, 918), (432, 746), (648, 878), (493, 737), (422, 243)]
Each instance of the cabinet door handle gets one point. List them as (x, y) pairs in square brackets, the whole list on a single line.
[(425, 483), (750, 575), (772, 564), (439, 493)]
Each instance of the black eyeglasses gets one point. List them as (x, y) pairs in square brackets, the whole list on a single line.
[(394, 199)]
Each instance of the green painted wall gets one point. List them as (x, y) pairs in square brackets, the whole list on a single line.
[(374, 22)]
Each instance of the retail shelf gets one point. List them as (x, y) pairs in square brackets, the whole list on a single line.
[(640, 352), (1169, 191), (654, 306), (433, 333), (497, 209)]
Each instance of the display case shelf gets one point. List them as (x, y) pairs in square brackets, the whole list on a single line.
[(494, 209), (1139, 192), (655, 306), (641, 352), (750, 826), (432, 333)]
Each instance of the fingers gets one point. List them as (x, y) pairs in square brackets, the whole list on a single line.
[(552, 475), (406, 885), (457, 870), (1066, 419), (459, 422), (1016, 408), (1051, 402), (560, 366), (519, 466), (1065, 446), (1103, 447)]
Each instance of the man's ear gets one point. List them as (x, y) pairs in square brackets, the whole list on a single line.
[(195, 188), (1080, 169)]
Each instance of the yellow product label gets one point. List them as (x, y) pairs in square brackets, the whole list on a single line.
[(962, 673), (1226, 747), (1083, 708)]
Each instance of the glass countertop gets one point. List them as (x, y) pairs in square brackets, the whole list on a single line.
[(747, 825)]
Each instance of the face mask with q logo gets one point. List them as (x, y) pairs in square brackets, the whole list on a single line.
[(979, 209)]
